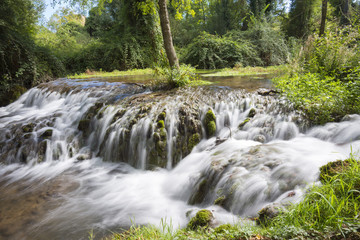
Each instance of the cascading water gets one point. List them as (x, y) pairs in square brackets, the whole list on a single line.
[(77, 156)]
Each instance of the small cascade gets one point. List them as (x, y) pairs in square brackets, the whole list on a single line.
[(104, 155)]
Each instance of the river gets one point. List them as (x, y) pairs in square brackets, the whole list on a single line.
[(99, 155)]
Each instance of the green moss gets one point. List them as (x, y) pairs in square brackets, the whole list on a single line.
[(47, 134), (210, 116), (331, 169), (210, 123), (252, 113), (241, 125), (161, 124), (202, 219), (163, 134), (223, 228), (220, 201), (28, 128), (161, 116), (193, 141)]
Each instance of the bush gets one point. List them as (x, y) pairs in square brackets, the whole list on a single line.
[(268, 45), (322, 99), (210, 52), (168, 78)]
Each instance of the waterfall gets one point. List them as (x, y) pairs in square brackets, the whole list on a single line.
[(84, 155)]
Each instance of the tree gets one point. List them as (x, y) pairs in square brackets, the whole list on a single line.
[(323, 17), (147, 6), (298, 24), (166, 33)]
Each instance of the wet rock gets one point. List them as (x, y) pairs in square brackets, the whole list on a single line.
[(267, 92), (252, 113), (200, 193), (220, 201), (241, 125), (42, 151), (202, 219), (84, 125), (193, 141), (267, 213), (210, 123), (260, 138), (47, 134), (161, 116), (28, 128)]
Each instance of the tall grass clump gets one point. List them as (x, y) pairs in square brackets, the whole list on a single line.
[(168, 78), (328, 210)]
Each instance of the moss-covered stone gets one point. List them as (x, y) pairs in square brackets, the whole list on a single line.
[(241, 125), (210, 123), (161, 124), (252, 113), (47, 134), (220, 201), (193, 141), (200, 193), (202, 219), (328, 171), (84, 125), (223, 228), (161, 116), (266, 214), (28, 128)]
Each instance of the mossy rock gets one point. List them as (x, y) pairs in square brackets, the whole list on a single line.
[(193, 141), (210, 123), (161, 124), (199, 195), (220, 201), (328, 171), (266, 214), (252, 113), (161, 116), (241, 125), (28, 128), (202, 219), (223, 228), (47, 134), (84, 125)]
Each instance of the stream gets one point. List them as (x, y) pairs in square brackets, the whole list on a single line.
[(102, 154)]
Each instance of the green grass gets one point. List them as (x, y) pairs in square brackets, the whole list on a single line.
[(330, 210), (246, 71), (115, 73)]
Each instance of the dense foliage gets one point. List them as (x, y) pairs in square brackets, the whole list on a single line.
[(23, 64), (325, 82)]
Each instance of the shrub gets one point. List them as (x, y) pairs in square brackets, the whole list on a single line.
[(210, 52), (268, 45), (168, 78)]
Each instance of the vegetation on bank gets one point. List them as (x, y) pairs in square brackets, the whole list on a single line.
[(330, 210), (115, 73), (247, 71), (325, 79)]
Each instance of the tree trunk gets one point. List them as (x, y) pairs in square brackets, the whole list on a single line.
[(166, 33), (345, 16), (323, 17)]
